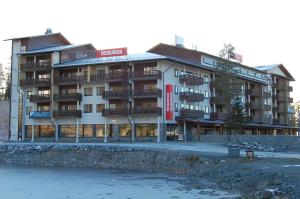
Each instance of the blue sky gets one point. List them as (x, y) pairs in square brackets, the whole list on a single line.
[(263, 31)]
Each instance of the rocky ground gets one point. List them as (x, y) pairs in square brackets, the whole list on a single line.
[(259, 146), (258, 178)]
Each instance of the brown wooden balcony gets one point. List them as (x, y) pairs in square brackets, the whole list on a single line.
[(191, 113), (38, 66), (253, 105), (282, 98), (35, 82), (219, 100), (290, 100), (146, 75), (69, 80), (266, 107), (67, 97), (147, 111), (117, 76), (115, 112), (289, 89), (40, 98), (67, 113), (119, 94), (97, 78), (191, 97), (218, 116), (267, 94), (254, 92), (191, 79), (147, 93)]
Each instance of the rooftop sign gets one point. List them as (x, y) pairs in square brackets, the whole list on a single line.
[(111, 52)]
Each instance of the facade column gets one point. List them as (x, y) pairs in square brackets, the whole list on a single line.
[(77, 130), (184, 130), (56, 131), (32, 131), (24, 97), (158, 130), (132, 132), (105, 131)]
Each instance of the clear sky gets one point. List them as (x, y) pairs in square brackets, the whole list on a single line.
[(263, 31)]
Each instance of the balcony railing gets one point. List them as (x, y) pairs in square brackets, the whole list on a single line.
[(191, 79), (147, 93), (254, 92), (64, 80), (67, 97), (290, 89), (46, 65), (97, 78), (67, 113), (36, 82), (119, 94), (266, 107), (267, 94), (282, 98), (191, 113), (275, 108), (147, 111), (255, 119), (253, 105), (218, 116), (191, 97), (40, 98), (117, 76), (220, 100), (146, 75), (115, 112)]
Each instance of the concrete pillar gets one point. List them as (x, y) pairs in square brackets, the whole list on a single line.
[(132, 132), (158, 130), (24, 97), (105, 131), (77, 130), (56, 131), (184, 130), (32, 132)]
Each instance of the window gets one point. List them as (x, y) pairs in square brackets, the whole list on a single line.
[(29, 94), (99, 108), (87, 130), (68, 131), (100, 131), (206, 94), (88, 91), (176, 89), (205, 79), (176, 107), (28, 109), (146, 130), (100, 90), (88, 108), (206, 110), (176, 72), (182, 105)]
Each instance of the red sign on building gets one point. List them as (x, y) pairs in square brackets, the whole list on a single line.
[(111, 52), (169, 102)]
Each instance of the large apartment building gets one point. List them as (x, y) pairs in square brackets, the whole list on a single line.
[(66, 92)]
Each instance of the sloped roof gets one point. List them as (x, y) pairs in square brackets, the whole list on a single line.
[(116, 59), (55, 48), (44, 35), (268, 68)]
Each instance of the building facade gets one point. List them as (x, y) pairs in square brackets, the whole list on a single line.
[(65, 92)]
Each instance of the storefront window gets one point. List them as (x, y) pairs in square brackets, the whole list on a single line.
[(125, 130), (68, 131), (88, 130), (100, 131), (146, 130), (47, 131)]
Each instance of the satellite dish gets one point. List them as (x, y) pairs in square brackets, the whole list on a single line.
[(48, 31)]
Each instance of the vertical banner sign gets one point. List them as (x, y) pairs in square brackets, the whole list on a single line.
[(169, 102)]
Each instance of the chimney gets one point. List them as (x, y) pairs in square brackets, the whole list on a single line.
[(48, 31)]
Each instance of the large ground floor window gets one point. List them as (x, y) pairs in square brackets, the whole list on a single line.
[(43, 131), (146, 130)]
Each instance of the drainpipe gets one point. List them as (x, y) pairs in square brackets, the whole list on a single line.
[(163, 89)]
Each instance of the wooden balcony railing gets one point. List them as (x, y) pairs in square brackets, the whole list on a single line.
[(191, 113), (75, 79), (67, 113), (220, 100), (40, 98), (97, 78), (266, 107), (191, 97), (35, 82), (191, 79), (115, 112), (119, 94), (147, 111), (253, 105), (147, 93), (290, 89), (218, 116), (146, 75), (117, 76), (254, 92), (67, 97), (267, 94), (46, 65)]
